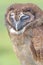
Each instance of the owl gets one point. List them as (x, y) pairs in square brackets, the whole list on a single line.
[(24, 23)]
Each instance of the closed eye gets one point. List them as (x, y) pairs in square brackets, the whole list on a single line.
[(12, 15), (25, 17)]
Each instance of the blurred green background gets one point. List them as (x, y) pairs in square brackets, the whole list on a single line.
[(7, 56)]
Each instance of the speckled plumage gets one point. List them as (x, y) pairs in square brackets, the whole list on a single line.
[(27, 45)]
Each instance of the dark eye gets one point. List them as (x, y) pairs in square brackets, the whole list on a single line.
[(25, 17)]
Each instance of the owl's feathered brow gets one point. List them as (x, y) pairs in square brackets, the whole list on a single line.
[(24, 23)]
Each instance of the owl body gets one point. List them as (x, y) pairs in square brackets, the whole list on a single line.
[(21, 46), (24, 23)]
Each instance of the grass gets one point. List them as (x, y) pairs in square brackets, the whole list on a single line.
[(7, 56)]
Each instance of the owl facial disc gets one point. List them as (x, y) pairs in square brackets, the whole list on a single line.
[(20, 24)]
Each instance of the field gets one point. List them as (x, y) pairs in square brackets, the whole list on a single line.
[(7, 56)]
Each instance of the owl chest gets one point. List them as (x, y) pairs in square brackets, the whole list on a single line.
[(22, 40), (21, 43)]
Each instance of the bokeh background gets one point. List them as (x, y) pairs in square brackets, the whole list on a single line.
[(7, 56)]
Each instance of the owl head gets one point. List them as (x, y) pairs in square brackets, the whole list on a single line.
[(20, 17)]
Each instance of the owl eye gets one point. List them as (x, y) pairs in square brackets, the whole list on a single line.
[(12, 15), (25, 17)]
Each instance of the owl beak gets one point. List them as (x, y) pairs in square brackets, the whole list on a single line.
[(17, 26)]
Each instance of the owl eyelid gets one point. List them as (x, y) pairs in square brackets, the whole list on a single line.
[(12, 14), (25, 17)]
